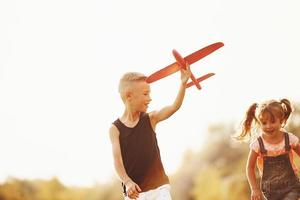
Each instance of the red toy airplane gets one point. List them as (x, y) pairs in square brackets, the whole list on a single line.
[(181, 63)]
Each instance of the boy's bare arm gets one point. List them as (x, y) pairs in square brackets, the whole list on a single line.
[(132, 188), (166, 112), (116, 150)]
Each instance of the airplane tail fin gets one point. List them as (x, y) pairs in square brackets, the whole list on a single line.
[(198, 80)]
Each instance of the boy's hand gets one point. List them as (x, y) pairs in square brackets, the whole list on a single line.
[(133, 190), (185, 74), (256, 195)]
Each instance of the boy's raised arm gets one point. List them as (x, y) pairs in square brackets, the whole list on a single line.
[(166, 112)]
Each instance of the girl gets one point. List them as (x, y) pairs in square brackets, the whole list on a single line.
[(272, 151)]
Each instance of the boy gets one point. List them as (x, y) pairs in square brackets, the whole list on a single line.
[(135, 150)]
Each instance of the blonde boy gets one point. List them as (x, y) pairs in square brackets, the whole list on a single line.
[(134, 145)]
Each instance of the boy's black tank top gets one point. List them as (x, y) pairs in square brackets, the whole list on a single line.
[(141, 155)]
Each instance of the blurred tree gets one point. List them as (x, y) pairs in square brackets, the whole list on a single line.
[(15, 189), (50, 190), (112, 191), (216, 172), (208, 185), (182, 181)]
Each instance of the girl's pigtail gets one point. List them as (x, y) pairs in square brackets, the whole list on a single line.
[(247, 123), (287, 109)]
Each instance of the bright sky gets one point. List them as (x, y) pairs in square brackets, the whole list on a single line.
[(60, 62)]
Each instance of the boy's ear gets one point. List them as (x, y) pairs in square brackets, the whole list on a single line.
[(128, 95)]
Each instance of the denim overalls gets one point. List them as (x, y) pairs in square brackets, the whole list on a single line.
[(279, 181)]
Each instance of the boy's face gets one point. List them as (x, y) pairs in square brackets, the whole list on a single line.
[(140, 96)]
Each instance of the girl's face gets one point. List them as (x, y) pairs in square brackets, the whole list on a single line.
[(270, 124), (141, 96)]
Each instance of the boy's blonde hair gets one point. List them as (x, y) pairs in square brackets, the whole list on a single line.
[(129, 78)]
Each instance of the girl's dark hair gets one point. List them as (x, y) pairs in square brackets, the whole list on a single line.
[(287, 109), (277, 109), (247, 122)]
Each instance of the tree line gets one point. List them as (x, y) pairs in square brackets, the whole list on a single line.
[(216, 172)]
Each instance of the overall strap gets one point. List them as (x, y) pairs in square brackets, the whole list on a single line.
[(261, 145), (287, 142)]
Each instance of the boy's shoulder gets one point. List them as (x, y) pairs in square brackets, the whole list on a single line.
[(113, 132)]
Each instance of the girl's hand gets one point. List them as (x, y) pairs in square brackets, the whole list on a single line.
[(185, 74), (256, 195)]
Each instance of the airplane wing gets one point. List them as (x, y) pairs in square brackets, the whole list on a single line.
[(192, 58), (170, 69), (198, 80)]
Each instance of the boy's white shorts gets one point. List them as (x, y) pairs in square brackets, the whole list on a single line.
[(160, 193)]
